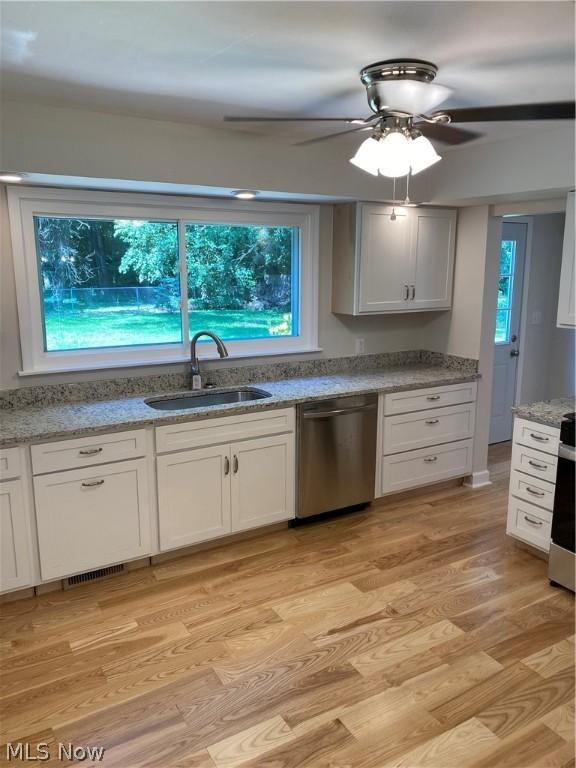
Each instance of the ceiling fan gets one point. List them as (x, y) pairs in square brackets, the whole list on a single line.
[(403, 96)]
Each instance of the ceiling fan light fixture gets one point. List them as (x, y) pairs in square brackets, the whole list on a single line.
[(422, 154), (394, 154), (367, 156)]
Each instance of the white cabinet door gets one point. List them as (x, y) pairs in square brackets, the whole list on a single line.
[(193, 496), (384, 267), (15, 561), (567, 298), (432, 240), (262, 481), (91, 518)]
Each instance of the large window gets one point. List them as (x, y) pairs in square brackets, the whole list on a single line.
[(107, 279), (505, 289)]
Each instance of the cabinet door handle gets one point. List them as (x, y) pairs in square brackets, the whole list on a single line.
[(235, 464), (226, 465), (535, 492), (537, 465), (413, 292), (92, 483), (532, 522), (540, 438), (432, 421), (89, 451), (433, 397), (406, 292), (430, 459)]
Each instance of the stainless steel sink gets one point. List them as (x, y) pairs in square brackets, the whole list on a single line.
[(203, 399)]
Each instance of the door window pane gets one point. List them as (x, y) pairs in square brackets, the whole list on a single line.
[(108, 282), (242, 280), (505, 291)]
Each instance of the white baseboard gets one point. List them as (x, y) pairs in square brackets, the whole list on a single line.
[(478, 479)]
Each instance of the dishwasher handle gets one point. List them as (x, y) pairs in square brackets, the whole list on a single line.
[(338, 411)]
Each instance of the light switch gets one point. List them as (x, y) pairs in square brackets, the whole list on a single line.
[(536, 317)]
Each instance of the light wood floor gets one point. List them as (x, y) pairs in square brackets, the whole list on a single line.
[(413, 634)]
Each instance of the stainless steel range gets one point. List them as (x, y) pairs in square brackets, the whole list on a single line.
[(562, 561)]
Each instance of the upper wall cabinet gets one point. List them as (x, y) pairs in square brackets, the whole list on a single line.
[(384, 264), (566, 297)]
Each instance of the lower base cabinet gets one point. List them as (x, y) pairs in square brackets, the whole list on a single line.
[(204, 493), (91, 518), (15, 558), (427, 465)]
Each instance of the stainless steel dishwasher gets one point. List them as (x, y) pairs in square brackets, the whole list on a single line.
[(336, 454)]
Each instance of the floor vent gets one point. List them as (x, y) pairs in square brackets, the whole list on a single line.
[(101, 573)]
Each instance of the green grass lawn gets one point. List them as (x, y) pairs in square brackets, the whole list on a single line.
[(113, 327)]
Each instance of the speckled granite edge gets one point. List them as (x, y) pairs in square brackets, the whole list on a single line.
[(549, 412), (225, 375)]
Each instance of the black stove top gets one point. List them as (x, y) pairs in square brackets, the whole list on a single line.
[(567, 429)]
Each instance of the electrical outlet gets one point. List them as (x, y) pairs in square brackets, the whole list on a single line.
[(359, 346)]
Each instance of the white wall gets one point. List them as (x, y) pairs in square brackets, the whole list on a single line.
[(547, 362), (337, 334)]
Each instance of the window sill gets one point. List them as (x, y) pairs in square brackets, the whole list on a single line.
[(143, 363)]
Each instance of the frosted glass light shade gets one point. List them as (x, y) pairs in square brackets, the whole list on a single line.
[(422, 154), (367, 156), (394, 155), (411, 96)]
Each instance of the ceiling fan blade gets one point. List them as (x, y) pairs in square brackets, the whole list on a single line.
[(449, 134), (559, 110), (318, 139), (246, 119)]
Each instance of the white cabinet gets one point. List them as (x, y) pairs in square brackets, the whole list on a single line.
[(262, 481), (532, 483), (15, 555), (194, 496), (209, 492), (425, 436), (566, 298), (384, 264), (91, 518)]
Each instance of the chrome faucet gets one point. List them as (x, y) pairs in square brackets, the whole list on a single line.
[(195, 377)]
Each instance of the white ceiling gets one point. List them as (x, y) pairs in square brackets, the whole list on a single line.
[(197, 61)]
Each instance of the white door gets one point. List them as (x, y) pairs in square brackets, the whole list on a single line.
[(90, 518), (262, 481), (432, 238), (15, 567), (510, 279), (384, 260), (193, 496)]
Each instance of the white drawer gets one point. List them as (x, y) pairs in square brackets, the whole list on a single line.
[(531, 489), (538, 436), (205, 432), (88, 451), (406, 432), (534, 463), (90, 518), (10, 463), (409, 470), (529, 523), (433, 397)]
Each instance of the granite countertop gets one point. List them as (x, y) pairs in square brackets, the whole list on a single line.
[(548, 412), (76, 419)]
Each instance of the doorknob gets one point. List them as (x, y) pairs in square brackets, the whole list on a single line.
[(514, 353)]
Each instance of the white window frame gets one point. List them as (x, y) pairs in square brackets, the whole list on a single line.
[(26, 202)]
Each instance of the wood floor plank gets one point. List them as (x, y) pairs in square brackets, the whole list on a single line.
[(552, 659)]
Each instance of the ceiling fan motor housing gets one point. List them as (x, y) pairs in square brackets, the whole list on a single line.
[(397, 86)]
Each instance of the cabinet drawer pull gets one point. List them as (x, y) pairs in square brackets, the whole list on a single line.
[(433, 397), (235, 464), (226, 465), (535, 492), (89, 451), (537, 465), (540, 438), (432, 421), (92, 483), (532, 522), (430, 459)]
